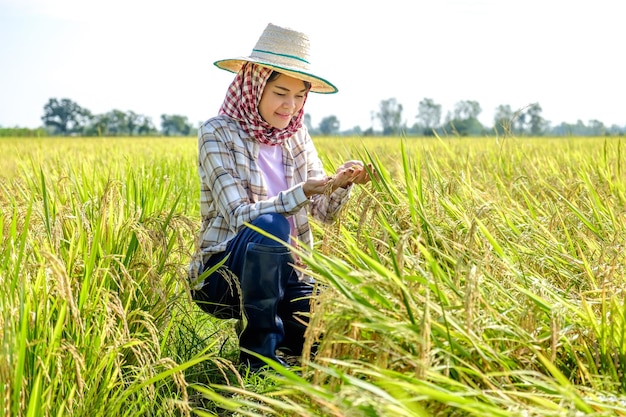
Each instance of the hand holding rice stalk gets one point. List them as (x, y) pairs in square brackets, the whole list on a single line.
[(351, 172)]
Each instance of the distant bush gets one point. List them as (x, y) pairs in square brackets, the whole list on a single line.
[(22, 132)]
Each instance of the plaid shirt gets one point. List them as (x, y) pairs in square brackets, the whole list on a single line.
[(233, 191)]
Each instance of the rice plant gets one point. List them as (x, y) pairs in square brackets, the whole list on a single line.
[(473, 277)]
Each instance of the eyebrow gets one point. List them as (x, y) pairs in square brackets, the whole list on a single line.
[(286, 89)]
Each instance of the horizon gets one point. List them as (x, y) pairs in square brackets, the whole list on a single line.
[(195, 124)]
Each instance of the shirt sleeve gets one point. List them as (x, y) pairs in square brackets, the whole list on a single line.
[(323, 207)]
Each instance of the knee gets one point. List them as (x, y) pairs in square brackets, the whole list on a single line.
[(274, 224)]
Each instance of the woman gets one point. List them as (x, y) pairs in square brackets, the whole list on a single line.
[(259, 167)]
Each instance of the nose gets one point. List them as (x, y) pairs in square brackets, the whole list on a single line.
[(289, 103)]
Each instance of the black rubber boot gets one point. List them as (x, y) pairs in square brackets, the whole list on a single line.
[(294, 310), (266, 270), (294, 336)]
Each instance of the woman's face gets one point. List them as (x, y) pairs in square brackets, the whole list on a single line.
[(281, 100)]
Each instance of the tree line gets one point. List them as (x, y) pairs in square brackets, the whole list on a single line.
[(462, 120), (64, 117)]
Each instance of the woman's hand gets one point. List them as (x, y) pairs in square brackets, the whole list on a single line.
[(352, 172), (314, 186)]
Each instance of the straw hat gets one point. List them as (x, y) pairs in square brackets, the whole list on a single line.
[(285, 51)]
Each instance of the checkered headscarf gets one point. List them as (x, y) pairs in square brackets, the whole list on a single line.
[(242, 101)]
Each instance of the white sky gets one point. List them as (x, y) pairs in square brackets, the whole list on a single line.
[(155, 57)]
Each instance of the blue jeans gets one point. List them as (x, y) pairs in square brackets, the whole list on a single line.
[(220, 294)]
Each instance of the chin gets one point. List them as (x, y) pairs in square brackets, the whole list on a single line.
[(281, 125)]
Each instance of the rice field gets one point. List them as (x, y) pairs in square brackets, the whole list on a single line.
[(475, 277)]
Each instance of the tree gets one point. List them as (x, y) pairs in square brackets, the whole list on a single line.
[(536, 122), (464, 121), (145, 127), (528, 120), (503, 119), (616, 130), (467, 109), (429, 116), (390, 116), (98, 126), (118, 123), (329, 125), (133, 121), (596, 128), (175, 125), (65, 116), (306, 120)]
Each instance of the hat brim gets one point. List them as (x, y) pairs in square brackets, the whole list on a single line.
[(318, 84)]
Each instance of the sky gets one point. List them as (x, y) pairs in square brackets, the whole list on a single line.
[(156, 57)]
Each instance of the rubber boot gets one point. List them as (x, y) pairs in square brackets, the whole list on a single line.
[(294, 310), (294, 336), (265, 273)]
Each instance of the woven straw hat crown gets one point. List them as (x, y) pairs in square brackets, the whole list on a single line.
[(286, 51)]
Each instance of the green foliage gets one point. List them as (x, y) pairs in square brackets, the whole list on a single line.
[(477, 277), (390, 116), (119, 123), (429, 116), (329, 126), (22, 132), (65, 117), (176, 125), (92, 266)]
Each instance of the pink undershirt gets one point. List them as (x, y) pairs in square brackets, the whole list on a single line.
[(271, 163)]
